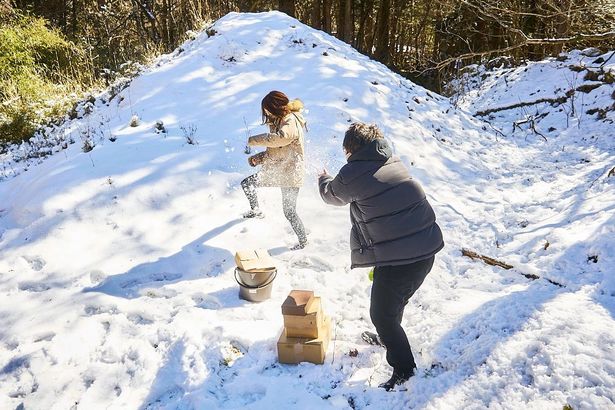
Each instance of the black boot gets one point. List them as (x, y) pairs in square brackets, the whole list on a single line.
[(398, 377), (371, 339)]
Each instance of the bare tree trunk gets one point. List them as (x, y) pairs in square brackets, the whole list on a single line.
[(62, 17), (348, 22), (316, 17), (394, 38), (382, 32), (326, 12), (287, 6), (370, 30), (344, 21), (73, 21), (360, 40)]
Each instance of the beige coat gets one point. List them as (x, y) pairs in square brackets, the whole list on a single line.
[(283, 161)]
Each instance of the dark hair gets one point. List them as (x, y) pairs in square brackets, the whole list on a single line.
[(360, 134), (274, 106)]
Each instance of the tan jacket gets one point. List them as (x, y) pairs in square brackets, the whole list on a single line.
[(283, 161)]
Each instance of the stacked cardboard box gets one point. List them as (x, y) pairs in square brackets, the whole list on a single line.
[(307, 330)]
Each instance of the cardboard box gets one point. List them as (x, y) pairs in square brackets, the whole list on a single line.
[(307, 325), (293, 350), (298, 302), (254, 260)]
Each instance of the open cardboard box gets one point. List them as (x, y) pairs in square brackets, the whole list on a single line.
[(307, 325), (293, 350), (298, 302), (254, 260)]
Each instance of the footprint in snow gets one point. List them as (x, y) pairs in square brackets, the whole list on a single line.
[(169, 396), (204, 301), (311, 262), (214, 269), (97, 276), (88, 382), (44, 337), (34, 287), (152, 277), (139, 319), (11, 344), (92, 310), (158, 293), (36, 262)]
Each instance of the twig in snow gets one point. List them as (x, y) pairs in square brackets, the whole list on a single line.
[(610, 174), (248, 149), (497, 131), (531, 120), (486, 259), (495, 262)]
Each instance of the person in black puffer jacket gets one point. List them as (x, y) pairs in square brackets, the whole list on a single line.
[(394, 229)]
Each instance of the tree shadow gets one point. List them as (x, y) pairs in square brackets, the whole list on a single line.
[(280, 250), (585, 262), (171, 390), (170, 269), (226, 298), (465, 348), (167, 388)]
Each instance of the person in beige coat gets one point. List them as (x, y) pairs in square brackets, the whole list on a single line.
[(282, 163)]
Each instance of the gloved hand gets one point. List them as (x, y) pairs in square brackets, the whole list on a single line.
[(256, 159)]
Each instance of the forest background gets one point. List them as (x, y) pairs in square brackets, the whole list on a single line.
[(54, 53)]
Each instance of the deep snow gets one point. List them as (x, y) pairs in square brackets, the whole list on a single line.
[(116, 264)]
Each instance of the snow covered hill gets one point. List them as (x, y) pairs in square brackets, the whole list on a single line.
[(116, 252)]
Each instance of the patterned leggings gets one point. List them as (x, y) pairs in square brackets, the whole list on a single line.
[(289, 204)]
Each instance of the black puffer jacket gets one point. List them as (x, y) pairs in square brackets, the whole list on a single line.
[(392, 222)]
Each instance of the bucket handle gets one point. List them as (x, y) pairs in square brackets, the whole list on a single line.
[(240, 283)]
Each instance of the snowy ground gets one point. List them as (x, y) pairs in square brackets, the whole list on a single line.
[(116, 264)]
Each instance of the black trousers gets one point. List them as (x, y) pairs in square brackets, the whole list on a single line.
[(289, 204), (392, 288)]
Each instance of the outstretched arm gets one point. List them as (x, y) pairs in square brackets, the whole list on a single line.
[(333, 190), (286, 135)]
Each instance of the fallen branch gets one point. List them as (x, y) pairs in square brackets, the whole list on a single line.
[(486, 259), (532, 121), (558, 100), (497, 131), (494, 262)]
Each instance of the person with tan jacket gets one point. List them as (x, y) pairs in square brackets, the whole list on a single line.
[(282, 163)]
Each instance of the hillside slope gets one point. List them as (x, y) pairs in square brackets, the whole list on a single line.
[(116, 264)]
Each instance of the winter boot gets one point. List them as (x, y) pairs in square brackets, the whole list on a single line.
[(398, 378), (371, 339)]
